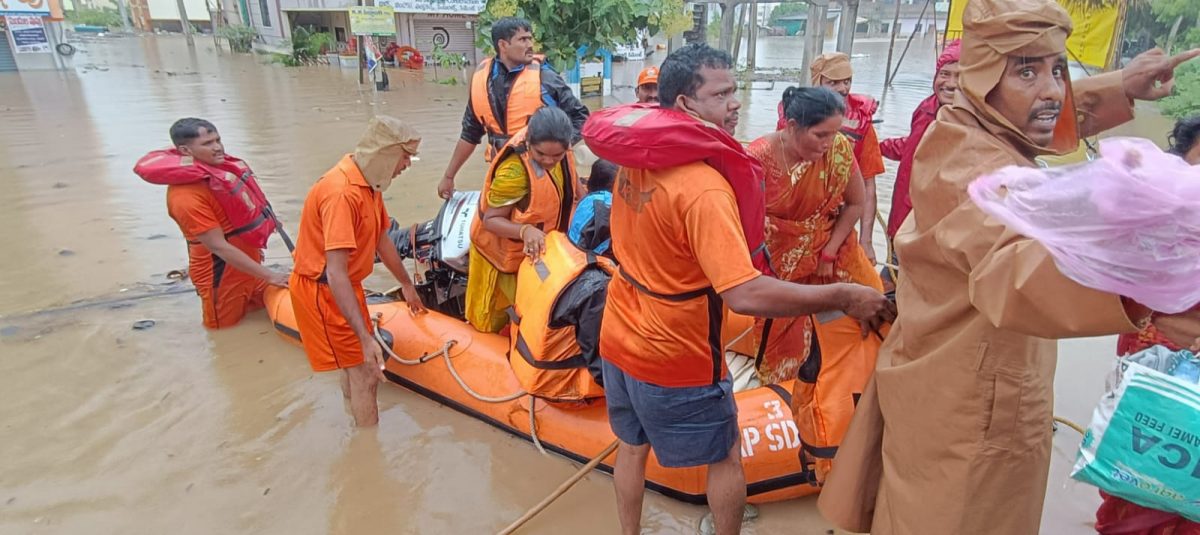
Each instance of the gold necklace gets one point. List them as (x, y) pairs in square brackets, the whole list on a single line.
[(793, 170)]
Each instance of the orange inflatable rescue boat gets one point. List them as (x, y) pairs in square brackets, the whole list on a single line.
[(441, 357)]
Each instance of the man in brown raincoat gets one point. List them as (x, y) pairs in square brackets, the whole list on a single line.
[(954, 435)]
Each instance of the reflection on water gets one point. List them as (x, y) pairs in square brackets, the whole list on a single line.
[(179, 430)]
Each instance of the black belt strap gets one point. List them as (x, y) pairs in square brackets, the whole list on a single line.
[(685, 296), (577, 361), (762, 345)]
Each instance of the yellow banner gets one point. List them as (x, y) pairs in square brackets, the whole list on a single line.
[(372, 20), (1090, 43)]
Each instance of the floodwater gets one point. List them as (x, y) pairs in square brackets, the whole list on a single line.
[(174, 429)]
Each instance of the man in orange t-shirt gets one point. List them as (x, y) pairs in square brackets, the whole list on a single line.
[(226, 270), (684, 257), (343, 225)]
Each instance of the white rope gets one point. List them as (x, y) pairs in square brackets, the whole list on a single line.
[(444, 352), (533, 426)]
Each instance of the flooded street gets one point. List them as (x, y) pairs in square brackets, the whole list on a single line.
[(175, 429)]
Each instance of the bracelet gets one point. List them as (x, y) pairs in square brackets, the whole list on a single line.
[(522, 232), (828, 259)]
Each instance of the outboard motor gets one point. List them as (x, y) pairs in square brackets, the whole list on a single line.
[(442, 243)]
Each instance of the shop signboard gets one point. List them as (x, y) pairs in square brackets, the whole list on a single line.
[(373, 20), (28, 34), (449, 7), (25, 7)]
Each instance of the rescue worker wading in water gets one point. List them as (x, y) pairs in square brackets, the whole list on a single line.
[(343, 225), (505, 92), (224, 216)]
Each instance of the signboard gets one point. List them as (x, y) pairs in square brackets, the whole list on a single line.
[(452, 7), (24, 7), (28, 34), (372, 20)]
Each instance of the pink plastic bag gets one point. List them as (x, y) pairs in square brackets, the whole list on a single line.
[(1127, 223)]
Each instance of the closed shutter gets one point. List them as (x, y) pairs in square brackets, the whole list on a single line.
[(452, 35), (7, 62)]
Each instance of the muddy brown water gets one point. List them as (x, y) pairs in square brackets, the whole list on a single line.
[(175, 429)]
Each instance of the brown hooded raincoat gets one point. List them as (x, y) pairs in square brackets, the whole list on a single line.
[(954, 435)]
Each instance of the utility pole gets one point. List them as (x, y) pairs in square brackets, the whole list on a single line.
[(848, 26), (728, 21), (752, 43), (124, 16), (887, 82), (185, 24), (814, 34)]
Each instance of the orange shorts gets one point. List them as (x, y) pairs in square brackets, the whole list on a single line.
[(236, 293), (328, 340)]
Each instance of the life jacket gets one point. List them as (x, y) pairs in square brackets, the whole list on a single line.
[(524, 98), (860, 112), (645, 136), (545, 208), (547, 360), (232, 183)]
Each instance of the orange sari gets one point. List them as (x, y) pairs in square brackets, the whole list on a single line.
[(802, 209)]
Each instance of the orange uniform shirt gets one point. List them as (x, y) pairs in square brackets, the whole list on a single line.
[(674, 231), (340, 212), (225, 293), (869, 155)]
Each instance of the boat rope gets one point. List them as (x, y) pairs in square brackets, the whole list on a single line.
[(1070, 424), (562, 489), (533, 426), (444, 352)]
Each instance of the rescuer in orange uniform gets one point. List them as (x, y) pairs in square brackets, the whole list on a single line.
[(343, 225)]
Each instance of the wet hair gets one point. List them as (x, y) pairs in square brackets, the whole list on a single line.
[(1185, 136), (505, 28), (550, 124), (810, 106), (680, 72), (604, 173), (187, 129)]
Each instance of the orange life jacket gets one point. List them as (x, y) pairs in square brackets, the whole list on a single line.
[(547, 361), (545, 208), (232, 183), (524, 98)]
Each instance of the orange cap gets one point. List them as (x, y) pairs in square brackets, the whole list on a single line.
[(649, 75)]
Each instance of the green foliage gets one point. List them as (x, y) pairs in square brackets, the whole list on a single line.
[(1185, 101), (307, 45), (561, 27), (441, 58), (239, 37), (285, 60), (786, 10), (106, 17), (1168, 10)]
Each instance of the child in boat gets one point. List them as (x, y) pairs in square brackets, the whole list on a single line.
[(589, 224)]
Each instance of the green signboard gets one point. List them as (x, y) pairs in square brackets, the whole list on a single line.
[(373, 20)]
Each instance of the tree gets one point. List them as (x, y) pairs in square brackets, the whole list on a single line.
[(562, 26), (785, 10)]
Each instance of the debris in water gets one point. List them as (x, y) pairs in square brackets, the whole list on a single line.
[(60, 185), (189, 487), (66, 252), (156, 236), (11, 500), (142, 325), (266, 492)]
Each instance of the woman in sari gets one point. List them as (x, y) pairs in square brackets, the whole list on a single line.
[(815, 195), (529, 191), (1115, 514)]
